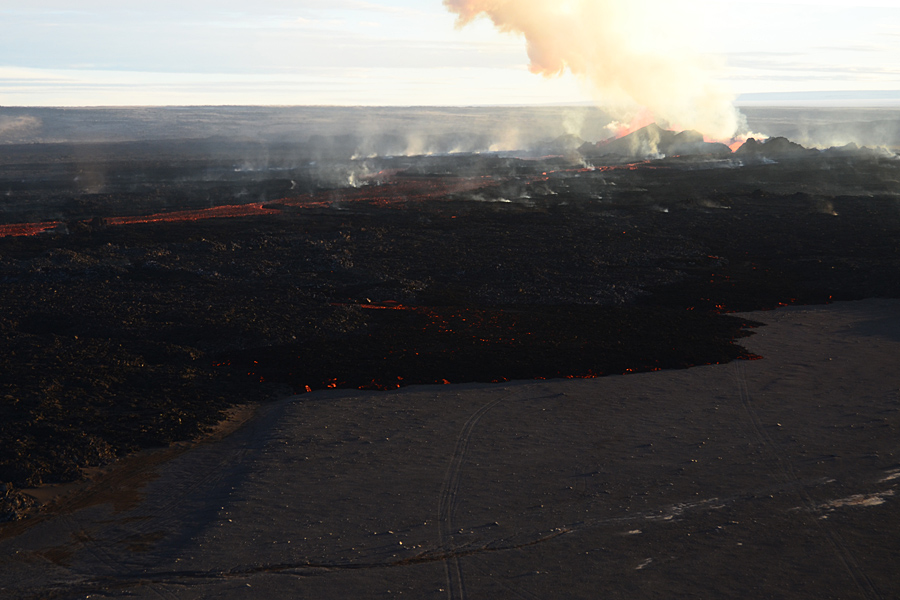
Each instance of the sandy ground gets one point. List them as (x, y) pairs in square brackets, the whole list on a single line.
[(773, 478)]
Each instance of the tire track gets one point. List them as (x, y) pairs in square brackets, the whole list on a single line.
[(456, 589), (448, 500), (304, 569), (865, 586)]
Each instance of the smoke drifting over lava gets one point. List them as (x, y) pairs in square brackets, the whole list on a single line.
[(632, 55)]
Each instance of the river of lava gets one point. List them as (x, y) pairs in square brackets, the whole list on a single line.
[(22, 229), (177, 216), (394, 194)]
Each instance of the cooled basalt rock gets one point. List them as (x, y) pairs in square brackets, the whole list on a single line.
[(772, 148), (458, 268), (14, 505)]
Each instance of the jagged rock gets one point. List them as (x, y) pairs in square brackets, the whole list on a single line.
[(777, 147), (653, 141), (13, 503), (854, 150)]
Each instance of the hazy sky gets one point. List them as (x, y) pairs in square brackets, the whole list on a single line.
[(397, 52)]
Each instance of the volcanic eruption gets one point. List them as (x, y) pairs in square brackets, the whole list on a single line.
[(632, 55)]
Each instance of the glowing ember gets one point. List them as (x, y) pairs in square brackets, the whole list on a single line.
[(458, 344)]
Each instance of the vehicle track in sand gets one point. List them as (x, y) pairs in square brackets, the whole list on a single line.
[(155, 581), (460, 444), (449, 497), (456, 589), (789, 475)]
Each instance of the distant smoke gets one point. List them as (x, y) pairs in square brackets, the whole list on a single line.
[(16, 126), (620, 49)]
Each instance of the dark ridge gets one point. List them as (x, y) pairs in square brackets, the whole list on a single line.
[(654, 141)]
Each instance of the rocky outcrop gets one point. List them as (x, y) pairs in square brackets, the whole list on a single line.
[(13, 503), (653, 141), (772, 148)]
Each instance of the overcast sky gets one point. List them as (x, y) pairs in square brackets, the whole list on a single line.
[(395, 52)]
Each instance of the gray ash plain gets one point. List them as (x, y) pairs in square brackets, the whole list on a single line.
[(454, 268)]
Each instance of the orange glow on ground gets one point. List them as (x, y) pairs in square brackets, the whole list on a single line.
[(641, 120), (216, 212), (22, 229), (393, 195)]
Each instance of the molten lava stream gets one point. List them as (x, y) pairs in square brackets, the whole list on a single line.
[(216, 212), (25, 229), (393, 194)]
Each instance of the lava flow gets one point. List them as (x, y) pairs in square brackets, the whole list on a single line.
[(408, 345), (216, 212), (620, 130), (392, 194)]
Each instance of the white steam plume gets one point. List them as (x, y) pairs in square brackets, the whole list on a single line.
[(631, 52)]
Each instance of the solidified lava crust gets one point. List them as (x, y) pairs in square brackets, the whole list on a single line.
[(124, 331)]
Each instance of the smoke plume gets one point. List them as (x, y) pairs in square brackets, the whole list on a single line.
[(632, 54), (14, 126)]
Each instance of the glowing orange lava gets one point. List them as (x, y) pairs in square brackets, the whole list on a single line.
[(641, 120), (21, 229), (394, 194)]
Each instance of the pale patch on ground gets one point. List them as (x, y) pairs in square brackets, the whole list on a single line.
[(891, 476), (859, 500), (643, 565)]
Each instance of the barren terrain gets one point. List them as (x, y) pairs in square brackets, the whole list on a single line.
[(151, 286)]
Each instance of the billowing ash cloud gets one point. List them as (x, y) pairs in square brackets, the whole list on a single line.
[(632, 61)]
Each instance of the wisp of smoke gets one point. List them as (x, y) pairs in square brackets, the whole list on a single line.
[(17, 125), (631, 60)]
